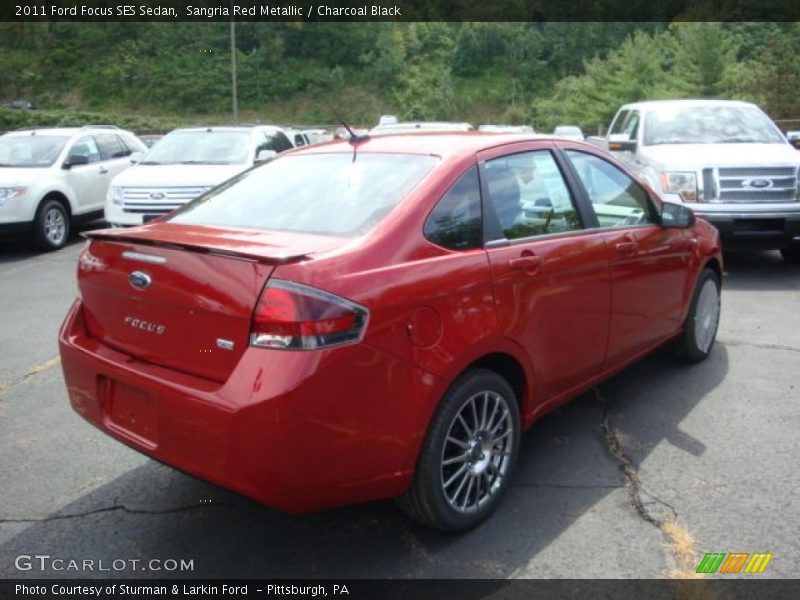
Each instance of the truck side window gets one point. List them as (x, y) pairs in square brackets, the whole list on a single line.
[(631, 125), (619, 122)]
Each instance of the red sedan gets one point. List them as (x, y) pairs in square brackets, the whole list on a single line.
[(383, 318)]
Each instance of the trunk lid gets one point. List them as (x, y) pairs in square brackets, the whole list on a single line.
[(182, 297)]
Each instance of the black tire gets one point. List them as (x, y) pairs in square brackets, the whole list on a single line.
[(791, 254), (51, 227), (692, 345), (426, 501)]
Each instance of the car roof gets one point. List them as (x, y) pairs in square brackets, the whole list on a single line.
[(655, 104), (422, 126), (66, 131), (442, 144), (228, 128)]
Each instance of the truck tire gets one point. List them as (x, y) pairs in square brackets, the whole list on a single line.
[(791, 254)]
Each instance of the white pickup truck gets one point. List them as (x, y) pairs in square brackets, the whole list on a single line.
[(726, 160)]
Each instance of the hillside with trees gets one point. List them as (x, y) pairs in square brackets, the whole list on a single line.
[(158, 75)]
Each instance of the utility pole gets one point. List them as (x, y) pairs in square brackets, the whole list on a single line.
[(233, 73)]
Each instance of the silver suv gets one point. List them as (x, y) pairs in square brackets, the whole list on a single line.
[(51, 178)]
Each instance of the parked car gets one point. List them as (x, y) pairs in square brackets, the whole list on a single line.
[(185, 164), (341, 133), (51, 178), (20, 105), (507, 128), (570, 132), (726, 160), (317, 136), (297, 137), (793, 138), (419, 126), (363, 321), (149, 140)]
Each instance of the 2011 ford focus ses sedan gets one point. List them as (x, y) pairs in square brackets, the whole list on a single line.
[(383, 318)]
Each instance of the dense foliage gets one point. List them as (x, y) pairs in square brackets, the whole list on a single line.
[(158, 74)]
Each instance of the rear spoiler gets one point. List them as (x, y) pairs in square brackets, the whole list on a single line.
[(261, 255)]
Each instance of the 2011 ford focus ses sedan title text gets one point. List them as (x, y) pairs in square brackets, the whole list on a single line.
[(383, 318)]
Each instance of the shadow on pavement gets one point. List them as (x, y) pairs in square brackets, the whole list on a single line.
[(759, 271), (564, 471), (16, 250)]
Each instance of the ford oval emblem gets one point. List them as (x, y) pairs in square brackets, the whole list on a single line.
[(759, 184), (139, 280), (157, 195)]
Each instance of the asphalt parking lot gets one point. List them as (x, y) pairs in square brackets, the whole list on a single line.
[(639, 479)]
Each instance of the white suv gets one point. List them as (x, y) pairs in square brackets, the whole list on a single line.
[(184, 164), (51, 178)]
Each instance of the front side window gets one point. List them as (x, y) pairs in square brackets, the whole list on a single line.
[(529, 195), (455, 222), (328, 194), (86, 146), (30, 150), (618, 126), (617, 200)]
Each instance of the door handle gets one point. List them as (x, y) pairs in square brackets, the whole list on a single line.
[(627, 246), (526, 262), (102, 170)]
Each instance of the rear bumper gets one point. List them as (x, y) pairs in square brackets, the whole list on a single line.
[(298, 431)]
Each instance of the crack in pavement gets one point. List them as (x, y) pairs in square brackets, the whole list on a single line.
[(681, 543), (5, 386), (122, 507), (763, 345), (624, 463), (567, 486)]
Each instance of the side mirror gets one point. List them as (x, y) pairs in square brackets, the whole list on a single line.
[(620, 142), (136, 157), (264, 155), (75, 160), (676, 216)]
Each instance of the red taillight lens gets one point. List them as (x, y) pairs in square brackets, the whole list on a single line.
[(292, 316)]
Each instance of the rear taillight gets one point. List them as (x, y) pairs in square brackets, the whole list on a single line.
[(292, 316)]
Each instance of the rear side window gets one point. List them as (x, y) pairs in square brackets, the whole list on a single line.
[(455, 222), (328, 194), (111, 147)]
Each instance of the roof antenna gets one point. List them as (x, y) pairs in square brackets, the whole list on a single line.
[(354, 138)]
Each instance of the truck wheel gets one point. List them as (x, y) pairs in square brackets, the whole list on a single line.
[(700, 329), (791, 254), (468, 455), (51, 227)]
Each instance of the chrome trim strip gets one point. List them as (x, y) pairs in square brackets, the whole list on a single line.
[(148, 258)]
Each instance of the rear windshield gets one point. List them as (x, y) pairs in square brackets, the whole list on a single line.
[(329, 194)]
